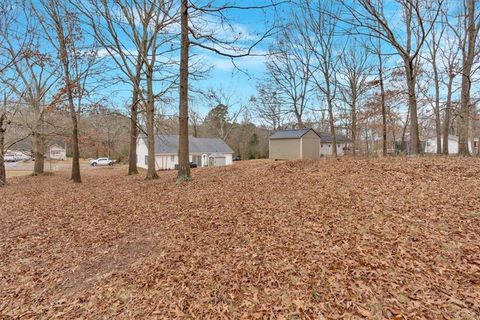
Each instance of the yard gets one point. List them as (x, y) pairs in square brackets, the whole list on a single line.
[(391, 238)]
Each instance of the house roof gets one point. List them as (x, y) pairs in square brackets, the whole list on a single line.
[(327, 137), (290, 134), (56, 146), (169, 144), (23, 145)]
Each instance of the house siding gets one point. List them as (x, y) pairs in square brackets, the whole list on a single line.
[(431, 146), (326, 148), (142, 152), (168, 161), (310, 146), (285, 149)]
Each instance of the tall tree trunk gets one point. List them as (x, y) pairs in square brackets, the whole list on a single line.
[(367, 149), (38, 153), (183, 150), (3, 174), (63, 52), (438, 124), (412, 107), (382, 101), (354, 126), (300, 124), (404, 132), (76, 150), (132, 162), (38, 141), (468, 58), (331, 121), (448, 111), (151, 169)]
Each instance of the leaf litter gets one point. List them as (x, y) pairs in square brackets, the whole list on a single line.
[(395, 238)]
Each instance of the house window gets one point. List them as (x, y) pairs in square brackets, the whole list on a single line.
[(146, 160), (172, 158)]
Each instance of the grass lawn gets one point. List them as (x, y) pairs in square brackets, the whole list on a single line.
[(391, 238), (18, 173)]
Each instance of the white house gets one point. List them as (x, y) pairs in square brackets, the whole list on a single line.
[(431, 145), (326, 144), (205, 152), (57, 152)]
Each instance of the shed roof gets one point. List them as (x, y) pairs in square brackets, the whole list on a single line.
[(169, 144), (290, 134)]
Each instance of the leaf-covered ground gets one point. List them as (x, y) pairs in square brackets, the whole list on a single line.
[(392, 238)]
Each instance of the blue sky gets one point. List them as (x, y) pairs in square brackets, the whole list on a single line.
[(223, 75)]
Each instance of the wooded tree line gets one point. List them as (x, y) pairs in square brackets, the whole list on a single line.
[(59, 58), (379, 71)]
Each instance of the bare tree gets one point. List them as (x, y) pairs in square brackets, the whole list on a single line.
[(8, 111), (433, 43), (469, 48), (368, 18), (268, 106), (449, 52), (354, 84), (194, 33), (109, 20), (32, 77), (77, 56), (318, 26), (383, 104), (289, 72)]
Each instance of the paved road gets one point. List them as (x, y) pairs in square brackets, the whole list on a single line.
[(49, 166)]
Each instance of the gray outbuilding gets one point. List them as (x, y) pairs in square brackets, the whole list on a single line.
[(294, 144)]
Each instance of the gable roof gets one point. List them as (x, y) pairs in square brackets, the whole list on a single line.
[(169, 144), (326, 137), (56, 146), (291, 134)]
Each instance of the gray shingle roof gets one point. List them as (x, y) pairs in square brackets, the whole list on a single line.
[(290, 134), (327, 137), (169, 144)]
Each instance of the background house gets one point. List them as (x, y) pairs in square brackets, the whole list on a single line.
[(431, 145), (326, 144), (57, 152), (203, 151)]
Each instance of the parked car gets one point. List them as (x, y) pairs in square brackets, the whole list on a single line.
[(102, 162), (10, 158), (237, 158)]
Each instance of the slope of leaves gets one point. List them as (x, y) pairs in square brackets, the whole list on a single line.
[(393, 238)]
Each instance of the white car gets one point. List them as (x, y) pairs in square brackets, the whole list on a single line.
[(10, 158), (102, 162)]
